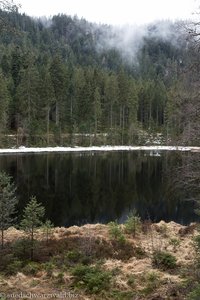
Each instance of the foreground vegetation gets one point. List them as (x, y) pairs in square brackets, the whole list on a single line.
[(155, 261)]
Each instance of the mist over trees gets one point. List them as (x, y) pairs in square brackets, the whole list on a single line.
[(65, 76)]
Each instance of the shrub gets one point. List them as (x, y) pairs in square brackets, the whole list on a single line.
[(139, 252), (163, 230), (133, 223), (47, 229), (197, 250), (116, 232), (3, 297), (5, 260), (31, 268), (175, 243), (131, 280), (68, 259), (92, 278), (197, 244), (152, 282), (60, 278), (121, 239), (74, 256), (49, 267), (21, 248), (14, 267), (152, 278), (163, 260), (195, 294)]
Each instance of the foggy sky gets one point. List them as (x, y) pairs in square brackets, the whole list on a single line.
[(115, 12)]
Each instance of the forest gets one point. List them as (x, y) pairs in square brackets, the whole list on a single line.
[(69, 82), (63, 78)]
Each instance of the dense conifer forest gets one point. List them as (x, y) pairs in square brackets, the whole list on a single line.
[(64, 77), (66, 81)]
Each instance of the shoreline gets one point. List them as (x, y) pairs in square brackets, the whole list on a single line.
[(107, 148)]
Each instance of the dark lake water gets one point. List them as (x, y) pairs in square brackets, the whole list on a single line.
[(78, 188)]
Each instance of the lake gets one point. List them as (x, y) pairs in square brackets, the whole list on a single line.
[(79, 188)]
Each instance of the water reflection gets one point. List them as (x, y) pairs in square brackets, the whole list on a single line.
[(78, 188)]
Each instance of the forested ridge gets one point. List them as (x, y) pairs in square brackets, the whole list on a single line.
[(60, 78)]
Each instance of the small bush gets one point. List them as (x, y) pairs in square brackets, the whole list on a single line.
[(152, 282), (74, 256), (163, 230), (60, 278), (68, 259), (133, 223), (6, 260), (31, 268), (3, 297), (175, 243), (163, 260), (195, 294), (47, 229), (14, 267), (116, 233), (131, 281), (139, 252), (49, 267), (21, 248), (197, 250), (121, 239), (92, 278), (153, 278), (197, 244)]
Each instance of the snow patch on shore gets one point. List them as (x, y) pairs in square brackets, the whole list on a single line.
[(23, 149)]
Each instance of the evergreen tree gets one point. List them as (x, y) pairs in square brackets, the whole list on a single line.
[(47, 98), (111, 101), (16, 65), (28, 105), (47, 229), (97, 109), (4, 103), (32, 219), (123, 83), (59, 79), (132, 111), (79, 83), (8, 202)]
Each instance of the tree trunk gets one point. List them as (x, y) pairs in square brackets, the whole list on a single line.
[(32, 242), (71, 109), (48, 111), (111, 116), (57, 114), (96, 125)]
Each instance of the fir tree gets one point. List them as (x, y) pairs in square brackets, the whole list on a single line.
[(32, 219), (8, 202)]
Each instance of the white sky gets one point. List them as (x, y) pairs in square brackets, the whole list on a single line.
[(116, 12)]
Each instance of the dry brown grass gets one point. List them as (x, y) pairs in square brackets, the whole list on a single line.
[(93, 241)]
